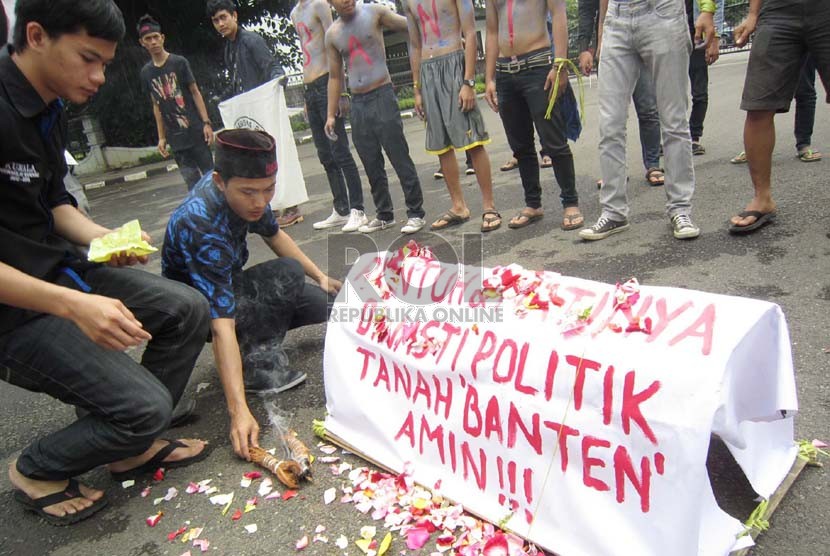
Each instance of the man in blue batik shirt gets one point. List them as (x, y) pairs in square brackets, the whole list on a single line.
[(251, 311)]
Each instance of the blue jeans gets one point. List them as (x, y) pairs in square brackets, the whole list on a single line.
[(377, 128), (128, 404), (805, 104), (645, 104), (271, 299), (335, 156), (522, 106)]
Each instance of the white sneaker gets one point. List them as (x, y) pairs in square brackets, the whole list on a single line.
[(375, 225), (332, 221), (413, 225), (357, 218)]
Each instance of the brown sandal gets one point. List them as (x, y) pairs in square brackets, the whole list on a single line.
[(573, 221), (488, 217), (529, 218), (511, 164)]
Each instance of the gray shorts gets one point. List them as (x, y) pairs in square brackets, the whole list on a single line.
[(447, 126)]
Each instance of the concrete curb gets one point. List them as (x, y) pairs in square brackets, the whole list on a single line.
[(131, 176)]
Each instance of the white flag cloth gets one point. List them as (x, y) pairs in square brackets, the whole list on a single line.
[(264, 109)]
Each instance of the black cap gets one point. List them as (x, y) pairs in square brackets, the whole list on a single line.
[(147, 25), (246, 153)]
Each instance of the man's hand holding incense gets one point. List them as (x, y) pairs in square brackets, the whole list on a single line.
[(244, 432)]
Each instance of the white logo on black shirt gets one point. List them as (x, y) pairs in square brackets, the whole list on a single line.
[(19, 172)]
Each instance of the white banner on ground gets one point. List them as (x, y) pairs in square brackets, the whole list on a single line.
[(264, 108), (580, 411)]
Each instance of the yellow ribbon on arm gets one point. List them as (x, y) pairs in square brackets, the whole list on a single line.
[(559, 62)]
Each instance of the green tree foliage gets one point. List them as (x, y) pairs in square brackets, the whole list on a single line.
[(124, 109)]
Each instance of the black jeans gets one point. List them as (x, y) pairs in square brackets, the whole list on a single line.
[(376, 125), (522, 105), (805, 104), (128, 404), (335, 156), (699, 76), (194, 162), (271, 299)]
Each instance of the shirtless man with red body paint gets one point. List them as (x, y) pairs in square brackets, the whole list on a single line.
[(357, 38), (520, 75), (443, 71), (311, 19)]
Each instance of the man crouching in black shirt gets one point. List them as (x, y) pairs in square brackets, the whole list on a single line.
[(65, 323)]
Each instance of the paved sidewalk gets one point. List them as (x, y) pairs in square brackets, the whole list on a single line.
[(135, 173)]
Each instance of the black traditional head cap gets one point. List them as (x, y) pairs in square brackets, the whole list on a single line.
[(246, 153), (147, 25)]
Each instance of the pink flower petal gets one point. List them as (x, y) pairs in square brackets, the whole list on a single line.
[(416, 538), (496, 546), (302, 543), (253, 475)]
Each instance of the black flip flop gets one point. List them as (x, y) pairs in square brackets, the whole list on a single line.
[(72, 490), (450, 219), (529, 219), (761, 220), (157, 461)]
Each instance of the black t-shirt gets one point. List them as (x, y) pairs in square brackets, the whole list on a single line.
[(32, 167), (169, 88)]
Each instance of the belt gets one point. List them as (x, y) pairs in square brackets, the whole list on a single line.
[(515, 64)]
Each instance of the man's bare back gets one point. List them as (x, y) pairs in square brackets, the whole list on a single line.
[(358, 41), (311, 19), (522, 26), (439, 24)]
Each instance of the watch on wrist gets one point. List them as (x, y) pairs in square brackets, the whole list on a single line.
[(470, 83)]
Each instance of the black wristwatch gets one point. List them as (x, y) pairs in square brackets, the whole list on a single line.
[(470, 82)]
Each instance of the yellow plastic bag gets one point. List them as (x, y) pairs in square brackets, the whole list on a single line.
[(127, 239)]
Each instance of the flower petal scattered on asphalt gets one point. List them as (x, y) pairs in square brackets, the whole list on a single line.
[(237, 515), (289, 494), (416, 538), (158, 476), (329, 495), (302, 543), (128, 484), (252, 528), (328, 449), (384, 544), (146, 492), (201, 544), (368, 532), (342, 542), (172, 492), (153, 520), (176, 533), (265, 487)]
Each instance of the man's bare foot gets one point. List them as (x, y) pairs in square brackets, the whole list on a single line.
[(192, 448), (762, 206), (38, 489)]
